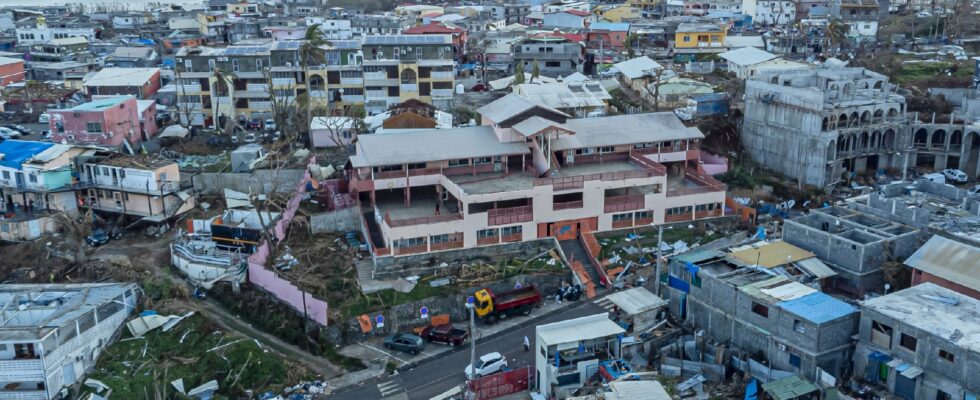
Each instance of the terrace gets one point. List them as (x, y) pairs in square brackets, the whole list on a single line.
[(417, 206), (691, 182)]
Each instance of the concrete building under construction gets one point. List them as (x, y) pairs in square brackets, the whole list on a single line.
[(823, 124)]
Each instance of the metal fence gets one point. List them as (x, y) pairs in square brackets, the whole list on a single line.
[(502, 384)]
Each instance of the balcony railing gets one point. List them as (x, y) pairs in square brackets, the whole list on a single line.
[(376, 94), (457, 243), (410, 250), (351, 81), (576, 182), (442, 93), (432, 219), (622, 224), (655, 168), (283, 81), (568, 205), (707, 213), (31, 369), (23, 395), (257, 87), (510, 215), (624, 203), (409, 87), (442, 75), (706, 184), (260, 105), (318, 93), (678, 217), (375, 76), (487, 240), (516, 237), (352, 98)]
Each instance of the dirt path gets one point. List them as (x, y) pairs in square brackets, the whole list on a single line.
[(155, 255)]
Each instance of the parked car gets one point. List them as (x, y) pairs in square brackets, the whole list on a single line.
[(255, 124), (446, 333), (7, 133), (270, 125), (405, 342), (100, 237), (218, 141), (18, 128), (955, 175), (250, 138), (46, 135), (923, 14), (973, 191), (938, 178), (486, 365), (43, 119)]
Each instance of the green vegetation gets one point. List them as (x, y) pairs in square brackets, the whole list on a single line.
[(921, 71), (134, 367), (612, 242)]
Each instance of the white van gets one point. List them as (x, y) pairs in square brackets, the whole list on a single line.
[(935, 177)]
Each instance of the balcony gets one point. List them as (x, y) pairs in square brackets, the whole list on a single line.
[(260, 105), (707, 213), (376, 94), (318, 93), (568, 205), (351, 81), (678, 217), (409, 87), (400, 251), (16, 394), (574, 176), (283, 81), (257, 87), (627, 202), (420, 208), (511, 215), (352, 98), (455, 242), (442, 74), (31, 369), (692, 183), (186, 89), (487, 240), (626, 223), (515, 237), (375, 76)]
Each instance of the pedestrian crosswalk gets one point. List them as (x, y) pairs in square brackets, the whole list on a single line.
[(392, 389), (604, 302)]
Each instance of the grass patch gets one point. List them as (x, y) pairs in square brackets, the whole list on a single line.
[(390, 297), (922, 71), (237, 367)]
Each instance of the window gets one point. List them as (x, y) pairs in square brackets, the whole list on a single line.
[(210, 65), (234, 65), (93, 127), (6, 175), (510, 230), (585, 151), (908, 342), (794, 360), (760, 309), (32, 178), (439, 238), (643, 214), (621, 217), (258, 64), (552, 64), (411, 242), (686, 39), (941, 395), (945, 355), (482, 160), (679, 210), (798, 326), (460, 162), (606, 149), (486, 233)]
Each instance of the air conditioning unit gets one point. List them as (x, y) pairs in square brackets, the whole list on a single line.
[(403, 51), (289, 64), (224, 59)]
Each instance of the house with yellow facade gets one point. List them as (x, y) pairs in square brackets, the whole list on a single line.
[(695, 41), (616, 12)]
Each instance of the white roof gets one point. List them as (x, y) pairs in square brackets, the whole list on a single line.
[(502, 83), (734, 42), (561, 95), (636, 300), (747, 56), (948, 259), (574, 330), (327, 123), (431, 145), (122, 77), (637, 390), (144, 105), (8, 60), (637, 67), (624, 129), (934, 310), (50, 154)]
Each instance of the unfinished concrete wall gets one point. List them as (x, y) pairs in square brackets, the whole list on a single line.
[(339, 221), (391, 267), (259, 181)]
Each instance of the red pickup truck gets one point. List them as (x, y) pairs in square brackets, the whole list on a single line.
[(446, 334)]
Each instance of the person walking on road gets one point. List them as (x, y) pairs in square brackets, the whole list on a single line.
[(527, 344)]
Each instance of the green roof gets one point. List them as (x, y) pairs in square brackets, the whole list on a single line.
[(789, 388)]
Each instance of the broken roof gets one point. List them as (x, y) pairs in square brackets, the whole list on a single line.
[(770, 254), (423, 145), (32, 311), (789, 388), (624, 129), (132, 52), (747, 56), (948, 259), (637, 390), (935, 310), (637, 67), (13, 153)]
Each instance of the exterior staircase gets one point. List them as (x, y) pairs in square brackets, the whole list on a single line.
[(579, 258)]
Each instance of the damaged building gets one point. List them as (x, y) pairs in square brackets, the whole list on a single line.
[(856, 245), (825, 124), (779, 321), (921, 343)]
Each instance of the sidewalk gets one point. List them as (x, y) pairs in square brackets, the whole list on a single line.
[(373, 352)]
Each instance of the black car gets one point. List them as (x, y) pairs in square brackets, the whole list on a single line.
[(405, 342), (100, 237)]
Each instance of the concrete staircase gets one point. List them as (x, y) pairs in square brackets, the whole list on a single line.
[(575, 252), (377, 241)]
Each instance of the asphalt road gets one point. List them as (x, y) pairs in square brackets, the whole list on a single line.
[(441, 374)]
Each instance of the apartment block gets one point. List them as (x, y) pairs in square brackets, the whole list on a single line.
[(53, 334), (695, 41), (854, 244), (762, 300), (555, 54), (137, 187), (528, 172), (920, 343), (11, 70), (35, 184), (821, 125), (401, 67), (939, 146), (859, 16), (947, 263)]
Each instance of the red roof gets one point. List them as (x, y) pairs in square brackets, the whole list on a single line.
[(579, 13), (430, 28), (573, 37)]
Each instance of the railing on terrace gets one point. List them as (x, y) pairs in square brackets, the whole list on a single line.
[(487, 240), (410, 250), (624, 203), (643, 221), (453, 244), (568, 205), (655, 168), (678, 217), (510, 215), (708, 213), (706, 184), (576, 182), (626, 223), (515, 237), (432, 219)]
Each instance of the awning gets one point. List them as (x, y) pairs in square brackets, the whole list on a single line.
[(816, 268), (879, 356), (911, 372), (896, 363)]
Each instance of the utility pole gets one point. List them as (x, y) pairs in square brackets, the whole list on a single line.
[(660, 256), (471, 304)]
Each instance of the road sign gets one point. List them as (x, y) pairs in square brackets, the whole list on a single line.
[(470, 301), (424, 312), (380, 320), (518, 286)]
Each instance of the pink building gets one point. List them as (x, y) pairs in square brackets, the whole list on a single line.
[(148, 117), (105, 122), (11, 70)]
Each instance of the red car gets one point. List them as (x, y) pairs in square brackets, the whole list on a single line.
[(480, 87), (446, 334)]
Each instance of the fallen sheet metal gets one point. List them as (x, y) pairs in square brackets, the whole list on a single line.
[(141, 325), (179, 385), (205, 391), (97, 385), (236, 199)]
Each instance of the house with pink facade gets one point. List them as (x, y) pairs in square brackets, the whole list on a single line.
[(526, 173), (105, 122)]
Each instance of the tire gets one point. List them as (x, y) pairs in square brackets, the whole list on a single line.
[(413, 352), (492, 319), (387, 346), (526, 310)]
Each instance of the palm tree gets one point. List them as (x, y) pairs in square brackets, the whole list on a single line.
[(535, 70), (311, 53), (836, 32), (222, 87)]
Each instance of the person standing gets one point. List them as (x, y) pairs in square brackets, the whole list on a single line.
[(527, 344)]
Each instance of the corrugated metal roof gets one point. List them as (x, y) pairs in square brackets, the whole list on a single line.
[(624, 129), (747, 56), (699, 255), (770, 255), (818, 307), (637, 67), (789, 388), (509, 106), (789, 291), (637, 390), (754, 289), (816, 268), (636, 300), (574, 330), (948, 259), (432, 145)]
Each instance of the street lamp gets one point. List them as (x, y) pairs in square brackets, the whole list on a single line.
[(471, 305)]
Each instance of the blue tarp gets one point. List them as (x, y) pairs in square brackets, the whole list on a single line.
[(817, 307), (15, 152), (678, 284), (752, 390)]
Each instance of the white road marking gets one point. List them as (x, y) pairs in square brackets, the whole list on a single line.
[(390, 387), (384, 352)]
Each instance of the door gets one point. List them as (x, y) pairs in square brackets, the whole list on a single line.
[(34, 226), (904, 387), (117, 196), (68, 373)]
